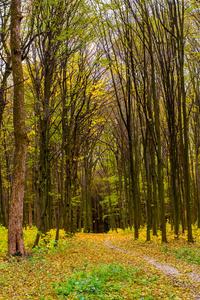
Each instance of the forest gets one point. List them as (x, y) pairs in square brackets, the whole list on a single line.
[(99, 122)]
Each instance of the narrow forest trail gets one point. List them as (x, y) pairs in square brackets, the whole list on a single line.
[(166, 269), (185, 276)]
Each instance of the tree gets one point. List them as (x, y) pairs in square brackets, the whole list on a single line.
[(15, 235)]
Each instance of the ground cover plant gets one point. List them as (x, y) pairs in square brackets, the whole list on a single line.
[(100, 266), (107, 281)]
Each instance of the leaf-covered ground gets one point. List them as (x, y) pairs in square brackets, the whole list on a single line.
[(102, 266)]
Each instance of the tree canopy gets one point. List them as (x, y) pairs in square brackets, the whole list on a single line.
[(112, 114)]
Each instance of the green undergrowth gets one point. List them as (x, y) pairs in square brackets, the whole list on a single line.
[(107, 281), (191, 255)]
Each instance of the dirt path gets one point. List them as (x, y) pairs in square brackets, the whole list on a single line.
[(189, 280)]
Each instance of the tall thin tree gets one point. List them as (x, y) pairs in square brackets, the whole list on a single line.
[(15, 234)]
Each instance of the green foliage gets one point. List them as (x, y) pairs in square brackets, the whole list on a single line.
[(104, 282), (165, 249), (189, 255)]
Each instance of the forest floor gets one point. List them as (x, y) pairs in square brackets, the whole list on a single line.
[(104, 266)]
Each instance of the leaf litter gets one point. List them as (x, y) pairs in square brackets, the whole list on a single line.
[(183, 274), (156, 272)]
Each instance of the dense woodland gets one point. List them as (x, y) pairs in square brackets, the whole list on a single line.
[(111, 111)]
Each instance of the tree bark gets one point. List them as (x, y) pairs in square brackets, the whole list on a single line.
[(15, 235)]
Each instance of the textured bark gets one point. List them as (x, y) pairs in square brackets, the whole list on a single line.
[(15, 234)]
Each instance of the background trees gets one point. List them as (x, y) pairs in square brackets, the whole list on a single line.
[(112, 112)]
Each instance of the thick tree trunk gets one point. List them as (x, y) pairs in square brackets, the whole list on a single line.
[(15, 234)]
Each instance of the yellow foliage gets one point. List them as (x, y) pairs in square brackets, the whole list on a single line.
[(29, 234), (3, 240)]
